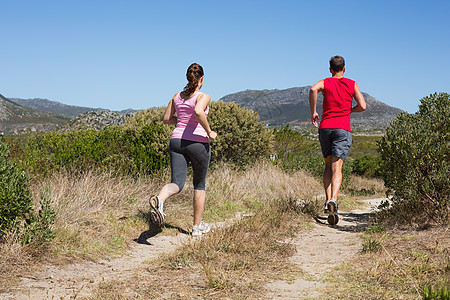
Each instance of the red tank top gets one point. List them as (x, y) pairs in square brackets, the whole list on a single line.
[(337, 103)]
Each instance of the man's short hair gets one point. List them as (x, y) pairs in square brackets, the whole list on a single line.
[(337, 63)]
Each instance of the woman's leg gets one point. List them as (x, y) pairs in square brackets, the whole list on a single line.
[(168, 191), (178, 166), (199, 154), (199, 204)]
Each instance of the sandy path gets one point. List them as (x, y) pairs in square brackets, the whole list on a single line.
[(313, 256), (322, 248), (78, 279)]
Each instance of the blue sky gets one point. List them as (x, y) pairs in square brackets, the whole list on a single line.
[(134, 54)]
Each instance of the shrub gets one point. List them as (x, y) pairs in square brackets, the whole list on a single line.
[(15, 197), (149, 148), (367, 165), (112, 148), (77, 150), (295, 152), (151, 117), (38, 229), (241, 139), (416, 162)]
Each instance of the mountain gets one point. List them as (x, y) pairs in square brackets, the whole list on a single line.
[(70, 111), (18, 115), (275, 107), (45, 105), (15, 118), (291, 106), (97, 120)]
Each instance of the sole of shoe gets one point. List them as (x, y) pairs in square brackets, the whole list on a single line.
[(155, 216), (332, 207), (333, 219)]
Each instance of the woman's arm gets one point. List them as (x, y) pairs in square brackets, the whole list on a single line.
[(202, 102), (169, 114)]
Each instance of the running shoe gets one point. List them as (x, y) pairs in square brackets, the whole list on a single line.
[(157, 215), (198, 230), (332, 206), (326, 208)]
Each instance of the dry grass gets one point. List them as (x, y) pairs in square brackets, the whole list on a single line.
[(406, 262), (360, 187), (96, 215), (235, 261), (99, 215), (14, 261), (373, 186)]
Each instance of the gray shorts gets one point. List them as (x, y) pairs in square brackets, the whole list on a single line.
[(181, 153), (335, 142)]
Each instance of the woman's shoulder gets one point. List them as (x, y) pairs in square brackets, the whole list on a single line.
[(202, 95)]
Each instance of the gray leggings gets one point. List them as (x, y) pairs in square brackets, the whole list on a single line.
[(184, 151)]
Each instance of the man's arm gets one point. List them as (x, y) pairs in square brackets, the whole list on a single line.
[(315, 89), (359, 98)]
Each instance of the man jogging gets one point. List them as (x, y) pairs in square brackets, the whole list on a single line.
[(334, 130)]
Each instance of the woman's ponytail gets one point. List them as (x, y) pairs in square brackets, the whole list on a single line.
[(193, 75)]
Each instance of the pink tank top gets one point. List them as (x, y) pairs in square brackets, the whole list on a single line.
[(188, 127), (337, 103)]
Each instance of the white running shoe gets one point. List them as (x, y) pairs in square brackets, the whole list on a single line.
[(332, 206), (325, 207), (198, 230), (157, 215)]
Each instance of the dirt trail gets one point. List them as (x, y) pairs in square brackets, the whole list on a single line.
[(78, 279), (317, 250), (322, 248)]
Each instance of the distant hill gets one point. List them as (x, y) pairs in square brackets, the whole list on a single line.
[(97, 120), (15, 118), (18, 115), (45, 105), (291, 106), (275, 107), (70, 111)]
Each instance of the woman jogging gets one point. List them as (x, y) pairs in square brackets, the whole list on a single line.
[(189, 143)]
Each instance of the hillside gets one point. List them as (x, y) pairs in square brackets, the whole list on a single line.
[(291, 106), (70, 111), (45, 105), (15, 118), (275, 107)]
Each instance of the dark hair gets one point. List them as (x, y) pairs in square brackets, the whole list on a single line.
[(193, 75), (337, 63)]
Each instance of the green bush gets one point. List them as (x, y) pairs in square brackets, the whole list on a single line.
[(76, 150), (367, 165), (15, 197), (152, 117), (295, 152), (289, 141), (149, 151), (113, 148), (241, 137), (38, 229), (415, 165)]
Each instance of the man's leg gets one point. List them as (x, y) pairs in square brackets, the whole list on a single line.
[(336, 176), (327, 177)]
